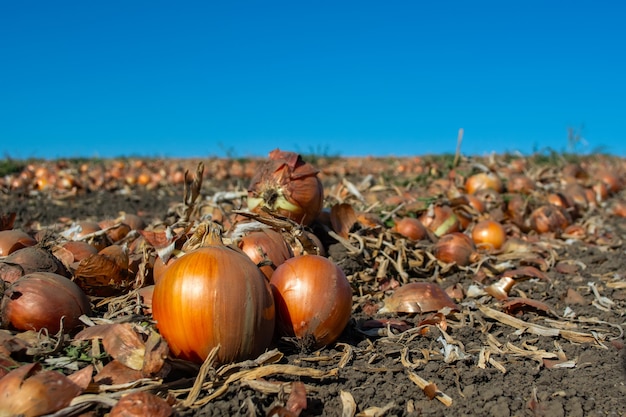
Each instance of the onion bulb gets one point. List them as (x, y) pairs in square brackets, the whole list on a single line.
[(313, 299), (214, 295), (488, 233), (482, 181), (266, 248), (40, 300), (549, 218), (456, 247), (410, 228), (288, 186)]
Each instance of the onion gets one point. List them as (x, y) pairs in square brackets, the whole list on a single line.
[(419, 297), (313, 299), (410, 228), (482, 181), (266, 247), (549, 218), (440, 219), (488, 233), (456, 247), (140, 404), (39, 300), (288, 186), (212, 296)]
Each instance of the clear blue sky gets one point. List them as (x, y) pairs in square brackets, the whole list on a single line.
[(240, 78)]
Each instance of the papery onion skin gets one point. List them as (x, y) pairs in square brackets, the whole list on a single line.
[(287, 185), (313, 299), (39, 300), (410, 228), (214, 295)]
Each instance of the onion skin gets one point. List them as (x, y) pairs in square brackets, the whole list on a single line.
[(288, 186), (12, 240), (313, 299), (213, 296), (39, 300)]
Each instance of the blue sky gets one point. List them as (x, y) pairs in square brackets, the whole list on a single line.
[(349, 78)]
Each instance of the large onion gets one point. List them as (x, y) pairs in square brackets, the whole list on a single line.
[(313, 299), (211, 296), (39, 300), (288, 186)]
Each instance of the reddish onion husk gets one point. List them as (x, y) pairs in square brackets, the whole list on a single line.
[(211, 296), (39, 300), (287, 185), (15, 239), (266, 248), (456, 247), (313, 299)]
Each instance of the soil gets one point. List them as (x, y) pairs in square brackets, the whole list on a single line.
[(554, 375)]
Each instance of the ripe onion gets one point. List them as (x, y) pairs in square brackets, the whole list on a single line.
[(482, 181), (488, 233), (266, 246), (410, 228), (440, 219), (456, 247), (287, 185), (39, 300), (313, 299), (549, 218), (15, 239), (211, 296)]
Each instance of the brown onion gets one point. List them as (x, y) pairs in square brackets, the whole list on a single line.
[(30, 391), (418, 297), (440, 219), (39, 300), (410, 228), (287, 185), (212, 296), (266, 247), (549, 218), (140, 404), (482, 181), (456, 247), (313, 299), (488, 233)]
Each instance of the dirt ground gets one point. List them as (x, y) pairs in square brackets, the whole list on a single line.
[(484, 364)]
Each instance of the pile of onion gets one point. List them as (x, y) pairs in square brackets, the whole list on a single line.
[(214, 295), (288, 186), (313, 300)]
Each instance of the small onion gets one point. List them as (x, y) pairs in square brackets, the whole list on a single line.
[(456, 247), (140, 404), (549, 218), (488, 233), (39, 300), (440, 219), (410, 228), (313, 299), (212, 296), (287, 185), (267, 247), (419, 297)]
